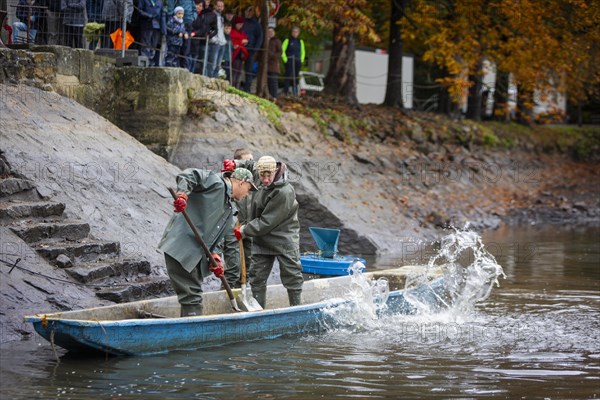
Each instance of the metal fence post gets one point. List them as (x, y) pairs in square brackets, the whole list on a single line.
[(205, 57), (230, 62), (124, 29), (294, 90)]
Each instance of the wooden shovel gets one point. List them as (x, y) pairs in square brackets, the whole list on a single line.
[(250, 304), (208, 254)]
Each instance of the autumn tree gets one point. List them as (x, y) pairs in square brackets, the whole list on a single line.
[(544, 44), (263, 57), (394, 91), (348, 21)]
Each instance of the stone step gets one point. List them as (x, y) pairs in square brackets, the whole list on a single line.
[(35, 231), (30, 209), (145, 288), (97, 271), (17, 188), (80, 251)]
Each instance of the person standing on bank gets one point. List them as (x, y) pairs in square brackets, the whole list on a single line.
[(293, 55), (73, 14), (176, 38), (255, 34), (209, 197), (240, 53), (216, 45), (274, 228), (273, 65), (150, 19)]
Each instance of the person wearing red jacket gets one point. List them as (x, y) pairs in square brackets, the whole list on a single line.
[(238, 41)]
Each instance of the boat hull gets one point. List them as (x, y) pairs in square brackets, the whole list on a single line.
[(116, 330)]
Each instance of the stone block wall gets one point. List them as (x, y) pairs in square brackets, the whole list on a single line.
[(147, 103)]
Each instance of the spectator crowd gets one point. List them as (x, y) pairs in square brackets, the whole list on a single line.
[(202, 36)]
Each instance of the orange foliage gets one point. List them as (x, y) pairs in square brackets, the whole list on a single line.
[(543, 43), (349, 16)]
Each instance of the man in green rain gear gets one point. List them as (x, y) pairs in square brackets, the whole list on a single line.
[(274, 228), (207, 197)]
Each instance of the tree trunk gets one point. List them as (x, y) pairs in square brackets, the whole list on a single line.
[(263, 58), (524, 106), (474, 99), (501, 111), (393, 91), (341, 77)]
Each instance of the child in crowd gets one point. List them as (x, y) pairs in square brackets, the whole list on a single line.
[(238, 41), (176, 37)]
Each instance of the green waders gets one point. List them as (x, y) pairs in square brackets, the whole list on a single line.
[(290, 272)]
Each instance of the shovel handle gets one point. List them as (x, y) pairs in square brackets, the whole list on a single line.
[(208, 254), (242, 261)]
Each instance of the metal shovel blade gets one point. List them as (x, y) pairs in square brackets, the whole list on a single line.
[(248, 303)]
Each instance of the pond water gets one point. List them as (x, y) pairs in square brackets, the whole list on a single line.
[(535, 336)]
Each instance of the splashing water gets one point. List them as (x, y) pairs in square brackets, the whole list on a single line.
[(367, 298), (469, 273)]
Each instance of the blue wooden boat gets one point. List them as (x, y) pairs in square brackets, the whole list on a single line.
[(130, 329), (326, 261)]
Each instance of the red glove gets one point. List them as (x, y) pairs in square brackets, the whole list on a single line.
[(181, 203), (238, 233), (218, 270), (228, 166)]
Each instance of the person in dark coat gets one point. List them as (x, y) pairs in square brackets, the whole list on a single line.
[(207, 196), (255, 34), (293, 54), (273, 65), (150, 17), (209, 20), (73, 14), (231, 245), (26, 15), (274, 228), (53, 21), (199, 31)]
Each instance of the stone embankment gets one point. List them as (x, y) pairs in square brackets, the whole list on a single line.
[(67, 243)]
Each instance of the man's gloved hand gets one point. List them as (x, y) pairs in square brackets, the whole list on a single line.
[(181, 203), (237, 231), (218, 270), (228, 166)]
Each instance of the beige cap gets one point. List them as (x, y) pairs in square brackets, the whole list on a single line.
[(266, 164)]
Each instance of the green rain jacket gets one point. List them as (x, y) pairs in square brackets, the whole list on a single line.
[(209, 207), (243, 208), (273, 219)]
